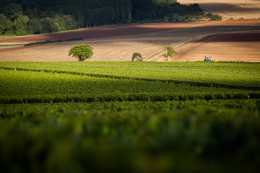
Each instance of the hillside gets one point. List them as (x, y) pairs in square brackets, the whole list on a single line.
[(236, 9), (180, 35)]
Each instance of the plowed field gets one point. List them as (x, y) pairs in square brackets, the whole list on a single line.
[(103, 32), (242, 46), (121, 48)]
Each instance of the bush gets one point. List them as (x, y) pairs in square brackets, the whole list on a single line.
[(137, 57), (213, 17), (82, 52)]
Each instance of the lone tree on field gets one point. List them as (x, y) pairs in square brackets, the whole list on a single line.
[(137, 57), (170, 51), (82, 52)]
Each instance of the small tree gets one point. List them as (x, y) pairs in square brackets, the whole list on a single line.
[(82, 52), (137, 55), (170, 51)]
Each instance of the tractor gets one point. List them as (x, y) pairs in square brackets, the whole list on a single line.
[(207, 58)]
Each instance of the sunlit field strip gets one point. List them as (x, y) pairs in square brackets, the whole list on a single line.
[(224, 73), (33, 85)]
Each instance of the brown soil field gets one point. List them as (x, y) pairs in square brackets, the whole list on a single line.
[(186, 37), (242, 46), (236, 9), (103, 32)]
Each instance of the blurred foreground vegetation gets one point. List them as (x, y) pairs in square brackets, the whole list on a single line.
[(172, 136), (76, 117)]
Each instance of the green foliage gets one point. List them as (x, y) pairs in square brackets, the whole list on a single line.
[(56, 15), (138, 56), (21, 26), (60, 22), (205, 133), (238, 75), (5, 24), (47, 25), (82, 52), (214, 17), (13, 11), (184, 136), (44, 86), (169, 51), (34, 26), (48, 41)]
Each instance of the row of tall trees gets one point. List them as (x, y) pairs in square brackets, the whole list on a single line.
[(22, 17)]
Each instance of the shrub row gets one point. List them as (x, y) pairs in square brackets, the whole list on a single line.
[(48, 41), (122, 97)]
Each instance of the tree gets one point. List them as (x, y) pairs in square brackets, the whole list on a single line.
[(170, 51), (70, 23), (34, 26), (13, 11), (82, 52), (5, 24), (117, 14), (3, 4), (137, 56), (47, 25), (129, 14), (122, 14), (21, 25)]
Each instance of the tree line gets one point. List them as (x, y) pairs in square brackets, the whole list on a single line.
[(21, 17)]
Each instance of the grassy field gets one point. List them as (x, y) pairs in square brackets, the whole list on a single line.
[(129, 117), (243, 75)]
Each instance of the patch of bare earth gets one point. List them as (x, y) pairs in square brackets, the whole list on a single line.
[(236, 9)]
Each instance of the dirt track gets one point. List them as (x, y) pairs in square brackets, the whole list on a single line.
[(149, 45)]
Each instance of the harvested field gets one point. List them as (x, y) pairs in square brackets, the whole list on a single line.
[(236, 9), (243, 46), (150, 45)]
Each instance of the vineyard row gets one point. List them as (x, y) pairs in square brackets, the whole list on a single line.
[(123, 97), (198, 84)]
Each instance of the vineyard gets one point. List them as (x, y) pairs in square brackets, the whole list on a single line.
[(129, 117)]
